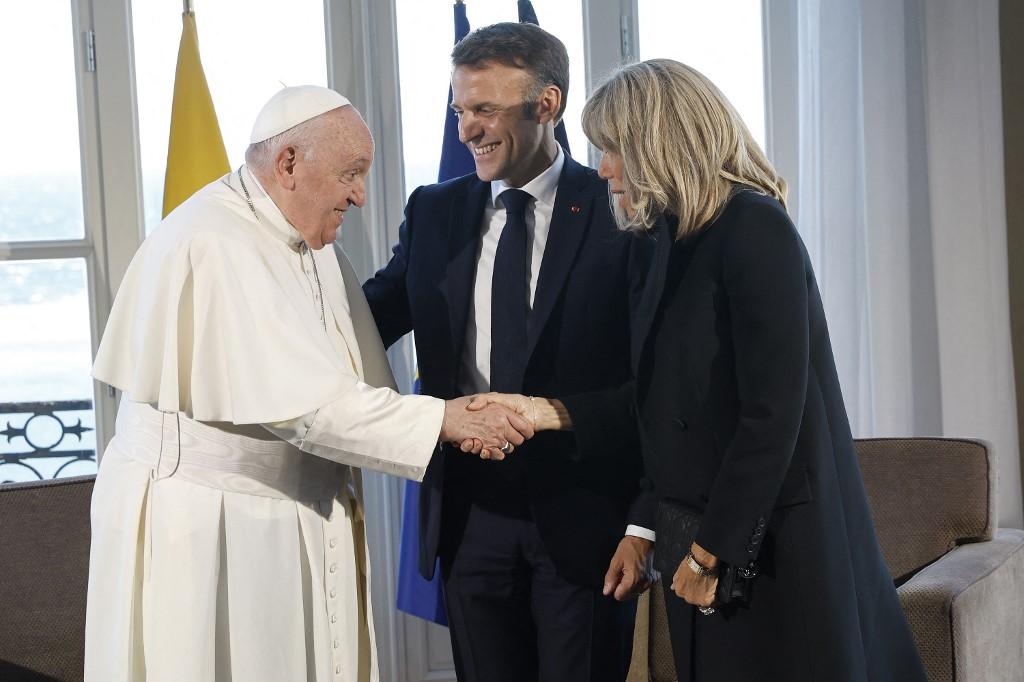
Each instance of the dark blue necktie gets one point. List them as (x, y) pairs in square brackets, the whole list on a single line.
[(510, 292)]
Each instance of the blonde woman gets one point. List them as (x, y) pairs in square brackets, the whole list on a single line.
[(745, 436)]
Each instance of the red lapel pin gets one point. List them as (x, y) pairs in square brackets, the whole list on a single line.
[(574, 209)]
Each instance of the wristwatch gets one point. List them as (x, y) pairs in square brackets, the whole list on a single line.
[(698, 568)]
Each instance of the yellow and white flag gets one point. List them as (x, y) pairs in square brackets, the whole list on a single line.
[(195, 151)]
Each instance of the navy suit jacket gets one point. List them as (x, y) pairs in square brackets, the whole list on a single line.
[(581, 485)]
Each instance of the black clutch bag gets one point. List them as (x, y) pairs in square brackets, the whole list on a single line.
[(676, 528)]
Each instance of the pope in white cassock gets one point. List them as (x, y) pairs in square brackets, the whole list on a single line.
[(227, 525)]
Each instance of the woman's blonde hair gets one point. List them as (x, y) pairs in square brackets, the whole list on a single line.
[(682, 144)]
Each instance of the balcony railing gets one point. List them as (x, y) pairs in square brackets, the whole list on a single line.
[(44, 427)]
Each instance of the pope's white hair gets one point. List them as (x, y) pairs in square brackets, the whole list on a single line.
[(305, 138)]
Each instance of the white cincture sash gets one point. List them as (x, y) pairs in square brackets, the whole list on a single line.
[(220, 459)]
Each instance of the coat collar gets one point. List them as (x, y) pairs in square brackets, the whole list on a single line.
[(655, 284)]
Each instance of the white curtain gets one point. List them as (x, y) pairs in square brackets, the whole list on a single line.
[(886, 119)]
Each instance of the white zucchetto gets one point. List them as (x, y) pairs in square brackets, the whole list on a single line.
[(291, 106)]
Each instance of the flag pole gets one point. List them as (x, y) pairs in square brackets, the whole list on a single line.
[(189, 9)]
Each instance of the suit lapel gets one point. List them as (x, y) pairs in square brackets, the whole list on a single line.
[(569, 221), (463, 246), (652, 290)]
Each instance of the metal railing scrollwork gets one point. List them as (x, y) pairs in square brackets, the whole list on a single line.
[(44, 427)]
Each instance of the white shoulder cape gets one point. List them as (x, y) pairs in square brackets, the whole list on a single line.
[(212, 320)]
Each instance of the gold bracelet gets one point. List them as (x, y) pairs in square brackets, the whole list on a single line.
[(533, 403), (699, 568)]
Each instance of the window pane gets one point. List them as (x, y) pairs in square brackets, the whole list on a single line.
[(720, 39), (425, 40), (46, 352), (41, 183), (240, 46)]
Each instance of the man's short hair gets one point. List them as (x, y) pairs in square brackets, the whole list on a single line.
[(522, 46)]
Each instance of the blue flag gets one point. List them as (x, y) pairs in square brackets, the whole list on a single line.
[(456, 159), (527, 15), (416, 596)]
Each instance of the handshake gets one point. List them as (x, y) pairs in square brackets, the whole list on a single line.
[(491, 425)]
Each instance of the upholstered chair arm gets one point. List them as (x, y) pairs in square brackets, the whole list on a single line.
[(968, 602)]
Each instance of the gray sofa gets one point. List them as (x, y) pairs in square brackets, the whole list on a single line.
[(960, 578), (44, 563)]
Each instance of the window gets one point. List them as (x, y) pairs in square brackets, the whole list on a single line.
[(46, 392), (720, 39), (69, 208), (244, 64), (47, 263)]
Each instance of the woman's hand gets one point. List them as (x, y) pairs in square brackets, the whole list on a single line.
[(543, 414), (520, 404), (691, 586)]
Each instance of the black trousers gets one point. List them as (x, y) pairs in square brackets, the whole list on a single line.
[(512, 618)]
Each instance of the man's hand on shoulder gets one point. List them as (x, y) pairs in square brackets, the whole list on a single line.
[(631, 570)]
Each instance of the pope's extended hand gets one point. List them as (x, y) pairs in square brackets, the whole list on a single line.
[(493, 427)]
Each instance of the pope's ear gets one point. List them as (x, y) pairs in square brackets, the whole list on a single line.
[(284, 167)]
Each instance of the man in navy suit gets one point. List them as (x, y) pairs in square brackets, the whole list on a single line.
[(516, 280)]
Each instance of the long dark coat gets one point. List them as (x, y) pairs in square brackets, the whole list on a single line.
[(742, 419)]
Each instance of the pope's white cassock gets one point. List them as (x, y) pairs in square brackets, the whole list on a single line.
[(227, 523)]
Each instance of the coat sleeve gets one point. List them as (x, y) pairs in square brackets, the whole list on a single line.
[(371, 428), (603, 423), (605, 426), (765, 282), (642, 508), (386, 291)]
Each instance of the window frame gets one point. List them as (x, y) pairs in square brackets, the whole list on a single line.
[(111, 201)]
